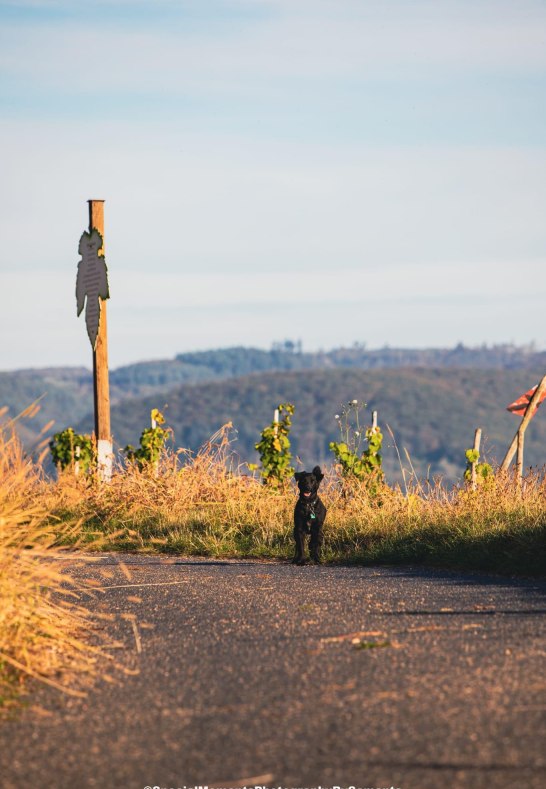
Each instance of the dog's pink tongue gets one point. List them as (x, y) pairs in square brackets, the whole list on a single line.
[(307, 494)]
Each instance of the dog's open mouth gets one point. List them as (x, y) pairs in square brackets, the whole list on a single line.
[(306, 494)]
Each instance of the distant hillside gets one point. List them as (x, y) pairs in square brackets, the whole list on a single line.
[(433, 423), (65, 392), (433, 413)]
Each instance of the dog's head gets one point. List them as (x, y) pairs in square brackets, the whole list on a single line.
[(308, 482)]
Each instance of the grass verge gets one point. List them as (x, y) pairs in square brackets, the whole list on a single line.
[(206, 508)]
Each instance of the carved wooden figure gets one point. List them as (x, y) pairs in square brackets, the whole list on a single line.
[(91, 282)]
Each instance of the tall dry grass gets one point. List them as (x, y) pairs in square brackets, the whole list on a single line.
[(45, 631), (205, 505)]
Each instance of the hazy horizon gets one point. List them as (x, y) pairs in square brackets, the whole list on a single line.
[(531, 347)]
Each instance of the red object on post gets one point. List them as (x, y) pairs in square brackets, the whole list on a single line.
[(519, 406)]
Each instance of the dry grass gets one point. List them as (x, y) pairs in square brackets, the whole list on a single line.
[(45, 632), (204, 506)]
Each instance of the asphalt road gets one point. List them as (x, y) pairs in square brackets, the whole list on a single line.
[(269, 674)]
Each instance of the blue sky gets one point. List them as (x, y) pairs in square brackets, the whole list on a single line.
[(330, 170)]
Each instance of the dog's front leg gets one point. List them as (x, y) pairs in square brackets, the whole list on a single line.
[(299, 537), (315, 543)]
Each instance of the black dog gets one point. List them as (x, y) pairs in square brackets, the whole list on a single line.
[(309, 515)]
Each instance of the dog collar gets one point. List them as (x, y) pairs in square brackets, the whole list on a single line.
[(310, 506)]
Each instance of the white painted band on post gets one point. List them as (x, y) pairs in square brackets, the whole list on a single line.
[(105, 459)]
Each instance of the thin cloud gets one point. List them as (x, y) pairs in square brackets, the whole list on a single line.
[(236, 58)]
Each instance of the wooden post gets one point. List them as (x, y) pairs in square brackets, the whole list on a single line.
[(100, 367), (519, 459), (476, 448), (529, 414), (374, 419), (276, 423)]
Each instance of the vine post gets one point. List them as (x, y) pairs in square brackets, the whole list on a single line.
[(73, 451), (153, 423), (476, 449), (274, 449), (519, 457), (357, 464), (518, 438), (152, 441)]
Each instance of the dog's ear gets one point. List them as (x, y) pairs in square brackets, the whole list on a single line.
[(298, 475), (317, 473)]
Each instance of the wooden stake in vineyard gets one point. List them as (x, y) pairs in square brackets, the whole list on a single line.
[(92, 290), (276, 422), (533, 398), (475, 448)]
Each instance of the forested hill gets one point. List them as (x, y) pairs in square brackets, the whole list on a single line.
[(233, 362)]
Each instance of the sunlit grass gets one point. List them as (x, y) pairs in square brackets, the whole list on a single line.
[(45, 631), (203, 505)]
